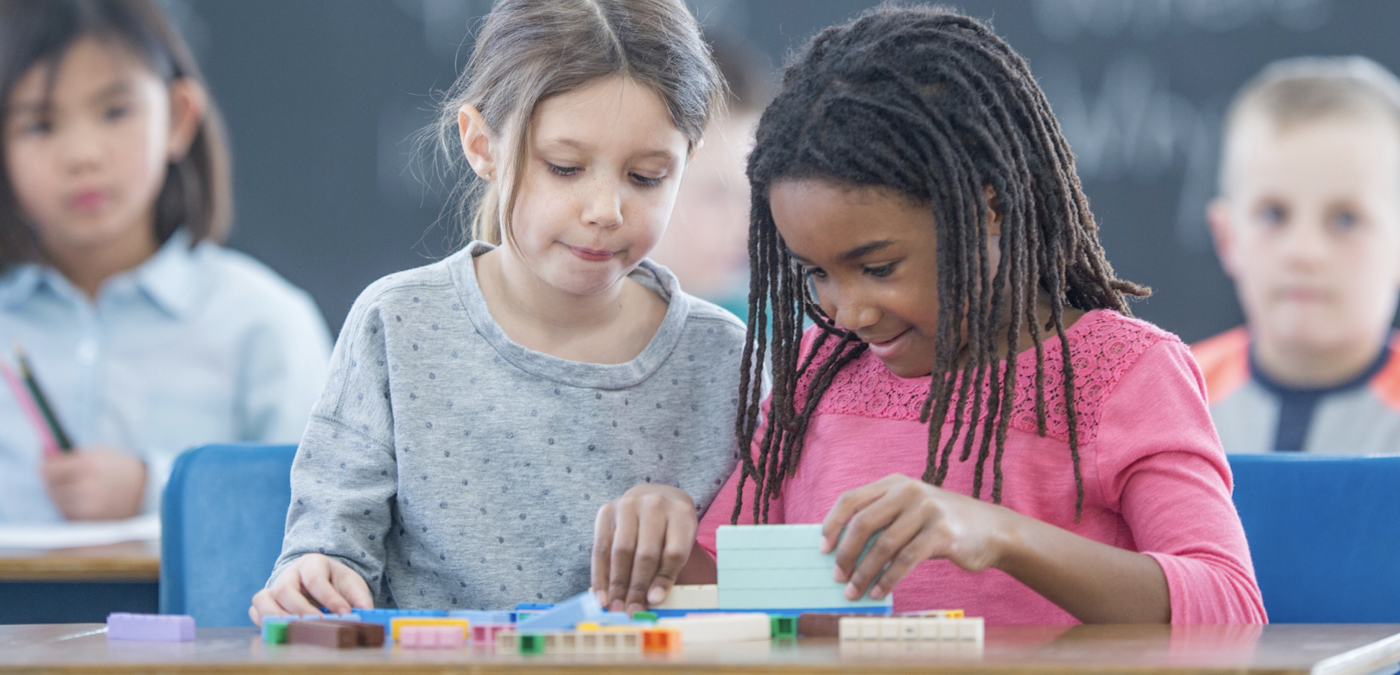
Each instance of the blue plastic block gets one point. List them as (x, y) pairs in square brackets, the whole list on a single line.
[(480, 616), (613, 619), (565, 615), (533, 605)]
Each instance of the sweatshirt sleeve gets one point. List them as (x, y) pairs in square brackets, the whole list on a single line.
[(1159, 458), (344, 477)]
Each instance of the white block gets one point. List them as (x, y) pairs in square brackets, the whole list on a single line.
[(972, 628), (889, 628), (910, 628), (935, 628), (698, 596), (712, 628)]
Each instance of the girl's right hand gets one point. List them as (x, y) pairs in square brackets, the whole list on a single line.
[(311, 582), (640, 544)]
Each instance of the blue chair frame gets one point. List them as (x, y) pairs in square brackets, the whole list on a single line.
[(1324, 533), (222, 519)]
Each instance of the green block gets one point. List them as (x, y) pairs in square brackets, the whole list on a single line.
[(772, 559), (828, 598), (531, 643), (784, 626), (275, 633), (768, 536), (819, 577), (644, 616)]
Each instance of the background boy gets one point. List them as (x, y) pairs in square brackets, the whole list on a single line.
[(1308, 225)]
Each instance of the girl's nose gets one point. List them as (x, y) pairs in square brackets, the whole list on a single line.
[(855, 314), (80, 150), (603, 207)]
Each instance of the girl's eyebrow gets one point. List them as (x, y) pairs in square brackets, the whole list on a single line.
[(866, 249), (577, 145), (117, 88)]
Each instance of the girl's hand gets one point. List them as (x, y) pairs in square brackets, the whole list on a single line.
[(309, 583), (95, 483), (920, 522), (640, 544)]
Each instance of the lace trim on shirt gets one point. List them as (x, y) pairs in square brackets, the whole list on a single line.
[(1103, 346)]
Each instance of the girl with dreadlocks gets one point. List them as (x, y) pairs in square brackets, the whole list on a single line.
[(974, 394)]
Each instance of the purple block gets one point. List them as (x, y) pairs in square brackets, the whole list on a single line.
[(150, 627)]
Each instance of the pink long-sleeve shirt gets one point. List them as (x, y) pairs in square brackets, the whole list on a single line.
[(1155, 477)]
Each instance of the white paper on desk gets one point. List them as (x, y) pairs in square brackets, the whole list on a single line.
[(80, 533)]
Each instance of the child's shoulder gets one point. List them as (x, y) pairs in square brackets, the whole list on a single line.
[(237, 276), (426, 286)]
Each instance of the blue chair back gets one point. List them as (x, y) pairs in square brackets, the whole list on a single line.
[(1324, 532), (222, 518)]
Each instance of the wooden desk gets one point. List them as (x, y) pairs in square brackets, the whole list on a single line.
[(78, 584), (127, 561), (1057, 650)]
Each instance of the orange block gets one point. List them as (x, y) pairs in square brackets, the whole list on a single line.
[(661, 639)]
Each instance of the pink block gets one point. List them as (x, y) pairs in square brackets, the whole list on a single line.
[(431, 637), (485, 633), (150, 627)]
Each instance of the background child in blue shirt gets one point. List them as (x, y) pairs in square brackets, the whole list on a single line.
[(147, 336)]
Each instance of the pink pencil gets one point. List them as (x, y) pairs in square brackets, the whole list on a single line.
[(31, 410)]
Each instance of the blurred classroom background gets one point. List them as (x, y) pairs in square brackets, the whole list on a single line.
[(323, 98)]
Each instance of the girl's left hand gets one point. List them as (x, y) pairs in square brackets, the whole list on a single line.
[(920, 522)]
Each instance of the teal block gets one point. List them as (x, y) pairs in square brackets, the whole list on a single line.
[(760, 559), (768, 536), (777, 579), (832, 596)]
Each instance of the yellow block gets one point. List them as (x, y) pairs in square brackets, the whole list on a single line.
[(586, 626), (397, 623)]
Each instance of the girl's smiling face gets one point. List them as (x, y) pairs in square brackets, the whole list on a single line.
[(872, 258), (597, 186), (87, 142)]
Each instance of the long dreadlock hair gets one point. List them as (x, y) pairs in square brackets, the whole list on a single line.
[(930, 104)]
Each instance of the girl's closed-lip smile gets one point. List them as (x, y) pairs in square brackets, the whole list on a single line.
[(88, 200), (888, 348), (593, 254)]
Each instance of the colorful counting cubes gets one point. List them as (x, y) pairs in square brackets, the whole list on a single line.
[(150, 627), (780, 567)]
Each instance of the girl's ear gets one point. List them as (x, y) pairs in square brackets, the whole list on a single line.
[(188, 102), (691, 157), (993, 211), (477, 141)]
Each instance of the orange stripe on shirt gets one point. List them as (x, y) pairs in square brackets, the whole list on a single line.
[(1386, 384), (1224, 361)]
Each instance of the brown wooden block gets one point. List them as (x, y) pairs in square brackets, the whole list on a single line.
[(366, 634), (818, 624), (331, 634)]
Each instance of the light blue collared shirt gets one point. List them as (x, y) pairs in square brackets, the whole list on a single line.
[(194, 346)]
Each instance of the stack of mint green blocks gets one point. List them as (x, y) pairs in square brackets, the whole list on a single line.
[(778, 567)]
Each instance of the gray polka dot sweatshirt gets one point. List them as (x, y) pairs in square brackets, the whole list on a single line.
[(454, 468)]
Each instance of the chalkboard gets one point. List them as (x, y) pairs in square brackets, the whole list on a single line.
[(322, 96)]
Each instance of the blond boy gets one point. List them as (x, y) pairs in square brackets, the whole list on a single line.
[(1308, 225)]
